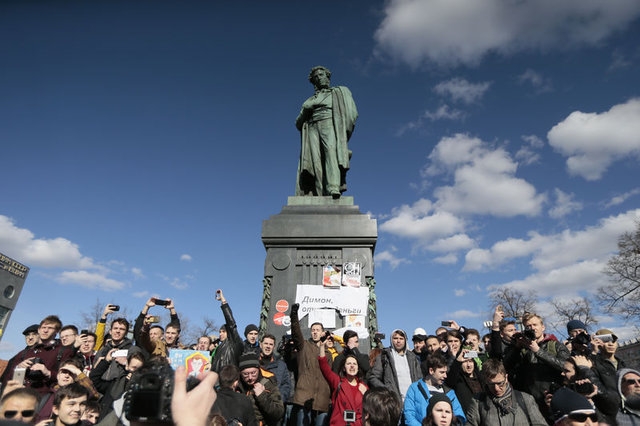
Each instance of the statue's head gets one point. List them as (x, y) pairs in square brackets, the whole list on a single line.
[(320, 76)]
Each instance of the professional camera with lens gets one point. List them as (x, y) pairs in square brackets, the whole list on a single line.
[(148, 398), (35, 376), (529, 333), (580, 344)]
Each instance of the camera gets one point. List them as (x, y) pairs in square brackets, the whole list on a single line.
[(37, 375), (349, 416), (529, 333), (582, 388), (325, 336), (148, 398), (580, 344)]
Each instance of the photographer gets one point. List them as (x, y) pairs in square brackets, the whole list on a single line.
[(538, 360), (581, 378)]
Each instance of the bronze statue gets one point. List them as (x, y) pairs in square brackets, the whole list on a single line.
[(326, 123)]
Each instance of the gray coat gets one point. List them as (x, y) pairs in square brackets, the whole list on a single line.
[(483, 412), (383, 373)]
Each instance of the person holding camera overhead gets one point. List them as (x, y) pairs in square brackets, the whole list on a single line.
[(347, 388), (149, 335)]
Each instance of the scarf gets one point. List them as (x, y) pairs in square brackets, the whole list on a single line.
[(505, 402)]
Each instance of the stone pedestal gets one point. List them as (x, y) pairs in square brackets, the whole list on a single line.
[(306, 236)]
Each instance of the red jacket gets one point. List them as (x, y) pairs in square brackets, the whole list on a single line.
[(344, 396)]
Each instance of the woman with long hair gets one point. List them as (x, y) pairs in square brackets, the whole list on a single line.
[(347, 390)]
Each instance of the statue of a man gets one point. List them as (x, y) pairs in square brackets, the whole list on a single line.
[(326, 122)]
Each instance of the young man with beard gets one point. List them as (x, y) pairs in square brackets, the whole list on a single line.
[(312, 394), (500, 404), (629, 388), (271, 361)]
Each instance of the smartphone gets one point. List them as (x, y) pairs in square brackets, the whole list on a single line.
[(18, 374), (445, 323), (119, 353), (471, 354), (218, 294), (161, 302), (84, 332), (154, 319), (605, 338), (115, 308)]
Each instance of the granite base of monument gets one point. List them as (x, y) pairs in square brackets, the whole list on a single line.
[(320, 254)]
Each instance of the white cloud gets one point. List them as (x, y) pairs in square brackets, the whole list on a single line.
[(137, 272), (592, 142), (460, 90), (89, 280), (140, 294), (179, 284), (549, 253), (484, 180), (619, 199), (449, 33), (458, 292), (186, 258), (526, 154), (463, 313), (452, 243), (447, 259), (565, 204), (23, 246), (444, 112), (421, 222), (390, 258), (536, 80)]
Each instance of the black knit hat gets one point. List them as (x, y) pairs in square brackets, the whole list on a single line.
[(565, 402), (250, 327), (249, 360), (435, 398)]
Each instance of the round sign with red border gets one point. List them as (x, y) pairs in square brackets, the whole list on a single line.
[(282, 305)]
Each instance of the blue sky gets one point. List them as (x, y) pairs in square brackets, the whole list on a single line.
[(143, 144)]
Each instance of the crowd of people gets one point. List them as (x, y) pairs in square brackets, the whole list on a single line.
[(515, 375)]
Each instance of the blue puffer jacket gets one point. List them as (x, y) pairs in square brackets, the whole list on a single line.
[(415, 404)]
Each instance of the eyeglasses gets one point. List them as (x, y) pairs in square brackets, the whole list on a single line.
[(582, 417), (498, 384), (631, 381), (24, 413)]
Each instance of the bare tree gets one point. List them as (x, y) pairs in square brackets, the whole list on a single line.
[(190, 332), (89, 319), (622, 296), (514, 302), (579, 309)]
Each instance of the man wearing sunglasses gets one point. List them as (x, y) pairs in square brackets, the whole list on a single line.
[(629, 387), (569, 408), (19, 405)]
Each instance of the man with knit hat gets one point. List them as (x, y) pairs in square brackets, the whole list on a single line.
[(396, 367), (261, 389), (251, 343), (569, 408), (629, 388)]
